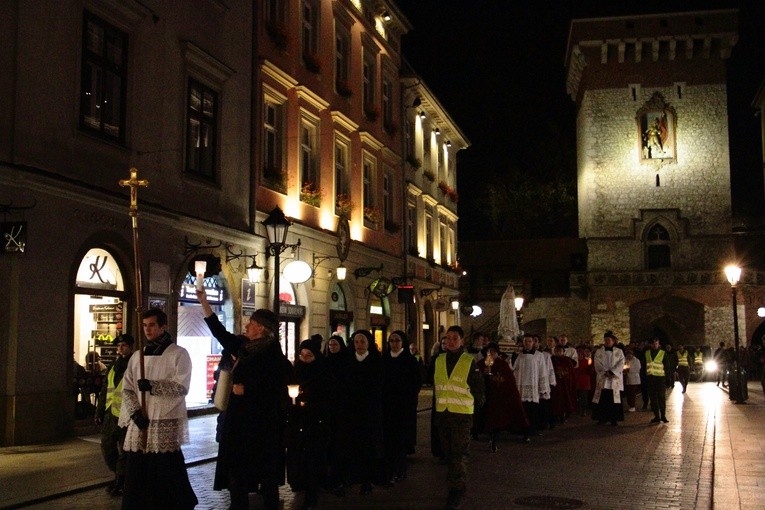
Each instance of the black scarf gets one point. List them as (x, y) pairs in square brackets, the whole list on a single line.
[(157, 346), (251, 348)]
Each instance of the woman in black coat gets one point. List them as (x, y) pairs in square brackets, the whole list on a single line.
[(251, 451), (335, 360), (360, 420), (308, 423), (401, 386)]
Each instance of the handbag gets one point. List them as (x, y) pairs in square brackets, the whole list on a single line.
[(223, 390)]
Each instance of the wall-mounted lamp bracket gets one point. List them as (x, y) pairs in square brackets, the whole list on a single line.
[(360, 272), (195, 247)]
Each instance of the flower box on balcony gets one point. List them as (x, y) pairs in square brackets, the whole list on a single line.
[(371, 215), (275, 179), (310, 194), (343, 205)]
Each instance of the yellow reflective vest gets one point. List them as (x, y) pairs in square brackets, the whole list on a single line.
[(113, 394), (453, 392), (682, 359), (654, 367), (699, 358)]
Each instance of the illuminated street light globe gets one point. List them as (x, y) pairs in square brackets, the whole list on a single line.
[(477, 310), (297, 271)]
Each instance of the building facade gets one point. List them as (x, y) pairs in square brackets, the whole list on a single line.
[(228, 110), (654, 193)]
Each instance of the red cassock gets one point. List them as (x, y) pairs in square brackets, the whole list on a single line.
[(563, 394), (503, 409)]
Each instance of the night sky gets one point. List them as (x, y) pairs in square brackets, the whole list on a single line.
[(499, 71)]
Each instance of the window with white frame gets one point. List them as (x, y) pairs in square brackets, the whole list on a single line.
[(411, 226), (388, 200), (342, 60), (274, 175), (342, 178), (310, 190), (429, 233), (444, 242), (369, 191), (103, 78), (387, 103), (369, 72), (201, 130), (309, 31)]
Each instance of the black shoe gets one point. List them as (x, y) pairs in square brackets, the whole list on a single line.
[(614, 424), (665, 420), (525, 439), (366, 489), (338, 491), (601, 422), (493, 447), (656, 420)]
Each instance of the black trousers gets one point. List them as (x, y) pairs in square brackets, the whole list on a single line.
[(656, 391)]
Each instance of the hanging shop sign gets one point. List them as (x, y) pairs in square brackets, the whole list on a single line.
[(14, 235)]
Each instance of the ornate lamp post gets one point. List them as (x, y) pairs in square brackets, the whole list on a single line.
[(733, 274), (277, 226)]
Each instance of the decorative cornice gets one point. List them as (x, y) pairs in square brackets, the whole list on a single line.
[(342, 120), (274, 72), (202, 62), (369, 140), (311, 98)]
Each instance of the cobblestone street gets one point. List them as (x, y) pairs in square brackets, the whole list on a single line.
[(710, 456)]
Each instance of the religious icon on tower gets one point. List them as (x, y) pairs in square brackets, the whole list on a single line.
[(656, 130)]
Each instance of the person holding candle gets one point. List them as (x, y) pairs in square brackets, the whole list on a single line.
[(503, 409), (632, 367), (251, 453), (309, 422)]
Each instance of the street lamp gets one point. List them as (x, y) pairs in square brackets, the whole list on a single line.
[(733, 274), (277, 226), (518, 313)]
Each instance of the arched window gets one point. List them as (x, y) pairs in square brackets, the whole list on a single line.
[(657, 248)]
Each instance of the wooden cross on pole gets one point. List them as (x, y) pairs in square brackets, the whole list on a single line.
[(134, 182)]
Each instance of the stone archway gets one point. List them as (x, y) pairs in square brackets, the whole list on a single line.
[(673, 319)]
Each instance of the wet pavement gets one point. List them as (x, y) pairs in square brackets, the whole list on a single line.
[(711, 455)]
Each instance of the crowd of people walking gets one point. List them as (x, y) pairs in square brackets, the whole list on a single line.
[(351, 421)]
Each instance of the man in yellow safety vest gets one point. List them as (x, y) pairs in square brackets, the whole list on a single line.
[(655, 372), (458, 388), (108, 413), (683, 366)]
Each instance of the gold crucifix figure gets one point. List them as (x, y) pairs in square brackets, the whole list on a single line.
[(134, 182)]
